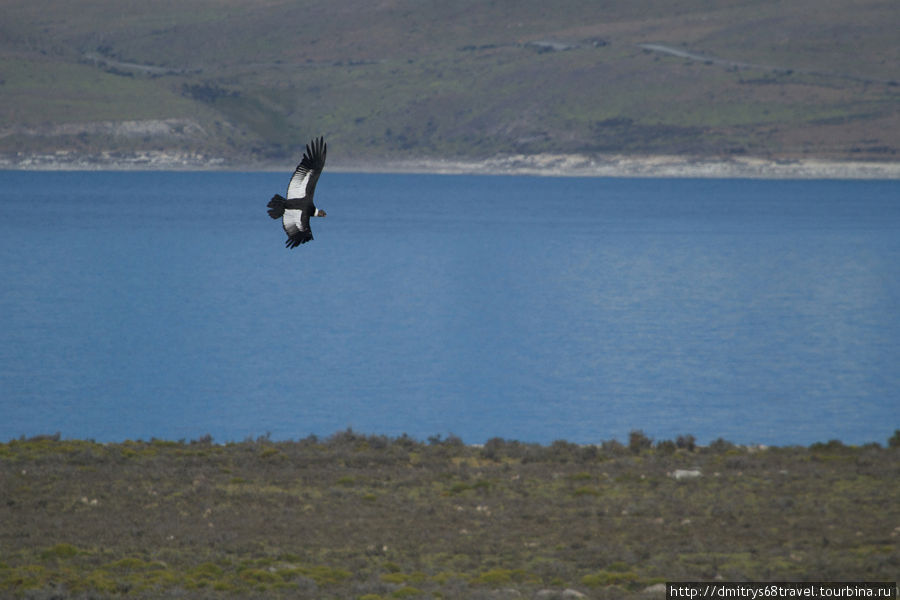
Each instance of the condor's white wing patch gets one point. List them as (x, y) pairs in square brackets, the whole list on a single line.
[(303, 181), (296, 226), (299, 182)]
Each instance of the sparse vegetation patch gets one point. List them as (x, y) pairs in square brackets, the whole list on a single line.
[(357, 516)]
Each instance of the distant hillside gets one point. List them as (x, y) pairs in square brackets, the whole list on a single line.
[(250, 82)]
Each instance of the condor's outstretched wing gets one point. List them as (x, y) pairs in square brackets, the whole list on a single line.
[(306, 175), (296, 225)]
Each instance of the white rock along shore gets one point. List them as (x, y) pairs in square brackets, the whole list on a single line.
[(570, 165)]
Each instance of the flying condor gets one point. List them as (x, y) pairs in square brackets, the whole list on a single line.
[(298, 207)]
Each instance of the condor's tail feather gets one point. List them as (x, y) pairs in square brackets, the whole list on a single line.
[(276, 206)]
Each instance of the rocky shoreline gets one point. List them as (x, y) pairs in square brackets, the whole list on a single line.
[(559, 165), (113, 161), (574, 165)]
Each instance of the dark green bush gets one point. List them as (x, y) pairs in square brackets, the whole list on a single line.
[(638, 442), (720, 446), (666, 446), (686, 442), (894, 441)]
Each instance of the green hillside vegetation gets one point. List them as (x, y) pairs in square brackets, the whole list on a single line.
[(364, 516), (252, 81)]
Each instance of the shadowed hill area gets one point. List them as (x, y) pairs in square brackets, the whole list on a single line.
[(250, 82)]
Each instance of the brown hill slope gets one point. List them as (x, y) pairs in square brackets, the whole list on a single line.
[(467, 80)]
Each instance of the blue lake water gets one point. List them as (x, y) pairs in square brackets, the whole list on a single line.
[(140, 305)]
